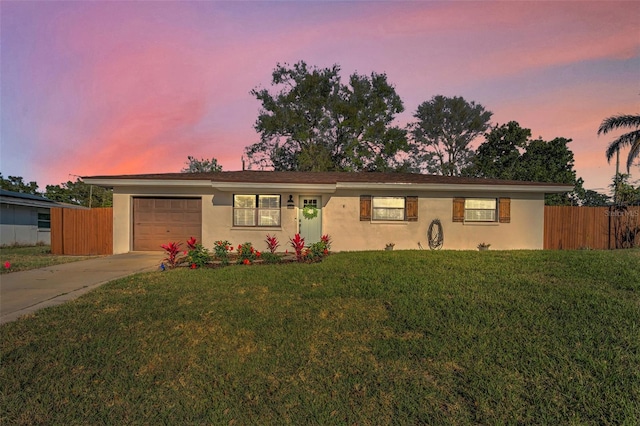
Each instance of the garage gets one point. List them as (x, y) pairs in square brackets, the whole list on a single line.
[(158, 221)]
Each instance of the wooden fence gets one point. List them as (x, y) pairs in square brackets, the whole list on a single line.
[(82, 232), (570, 227)]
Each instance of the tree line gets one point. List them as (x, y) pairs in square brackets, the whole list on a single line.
[(310, 120)]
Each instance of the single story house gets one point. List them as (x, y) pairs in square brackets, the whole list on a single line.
[(25, 219), (359, 211)]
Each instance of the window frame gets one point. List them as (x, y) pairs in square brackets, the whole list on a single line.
[(409, 209), (256, 211)]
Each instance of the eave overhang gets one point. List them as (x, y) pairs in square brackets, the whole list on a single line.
[(27, 203), (328, 188), (174, 183)]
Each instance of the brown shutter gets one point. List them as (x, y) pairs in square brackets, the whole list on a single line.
[(458, 209), (504, 210), (411, 209), (365, 207)]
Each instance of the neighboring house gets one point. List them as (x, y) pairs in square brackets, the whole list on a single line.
[(359, 211), (25, 219)]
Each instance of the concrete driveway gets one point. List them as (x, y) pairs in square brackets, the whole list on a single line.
[(24, 292)]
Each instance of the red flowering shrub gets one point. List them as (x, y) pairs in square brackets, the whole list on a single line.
[(297, 242), (326, 240), (246, 252), (320, 249), (198, 256), (221, 250), (172, 253), (272, 243), (191, 243)]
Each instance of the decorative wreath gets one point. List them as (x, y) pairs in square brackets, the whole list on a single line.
[(309, 212)]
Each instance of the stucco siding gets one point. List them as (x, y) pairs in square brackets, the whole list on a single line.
[(525, 231), (341, 220), (217, 223)]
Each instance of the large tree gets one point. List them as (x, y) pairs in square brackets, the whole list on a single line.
[(203, 165), (443, 132), (498, 157), (310, 121), (624, 193), (508, 153), (631, 139)]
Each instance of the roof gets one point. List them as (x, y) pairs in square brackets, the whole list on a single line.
[(22, 199), (24, 195), (31, 200), (324, 181)]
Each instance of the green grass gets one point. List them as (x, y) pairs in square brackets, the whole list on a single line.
[(396, 337), (25, 258)]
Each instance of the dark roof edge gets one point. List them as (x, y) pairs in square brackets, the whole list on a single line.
[(321, 178)]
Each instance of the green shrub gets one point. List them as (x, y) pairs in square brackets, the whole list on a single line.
[(198, 256), (247, 254), (221, 251)]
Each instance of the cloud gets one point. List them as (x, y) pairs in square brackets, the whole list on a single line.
[(135, 87)]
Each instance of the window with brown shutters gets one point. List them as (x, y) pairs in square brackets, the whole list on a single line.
[(388, 208), (365, 207), (504, 210), (482, 210), (458, 209)]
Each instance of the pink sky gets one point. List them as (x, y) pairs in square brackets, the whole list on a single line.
[(93, 88)]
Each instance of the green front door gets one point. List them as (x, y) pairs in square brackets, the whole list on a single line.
[(310, 218)]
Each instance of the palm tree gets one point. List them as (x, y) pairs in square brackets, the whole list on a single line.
[(631, 139)]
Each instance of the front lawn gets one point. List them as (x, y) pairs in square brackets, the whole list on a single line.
[(32, 257), (400, 337)]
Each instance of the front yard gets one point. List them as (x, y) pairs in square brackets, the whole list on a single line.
[(401, 337)]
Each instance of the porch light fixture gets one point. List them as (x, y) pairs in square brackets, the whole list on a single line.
[(290, 203)]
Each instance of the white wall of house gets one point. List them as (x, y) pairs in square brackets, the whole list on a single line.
[(23, 235), (341, 220)]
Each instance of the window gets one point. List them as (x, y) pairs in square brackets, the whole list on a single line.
[(482, 210), (256, 210), (388, 208), (44, 220)]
